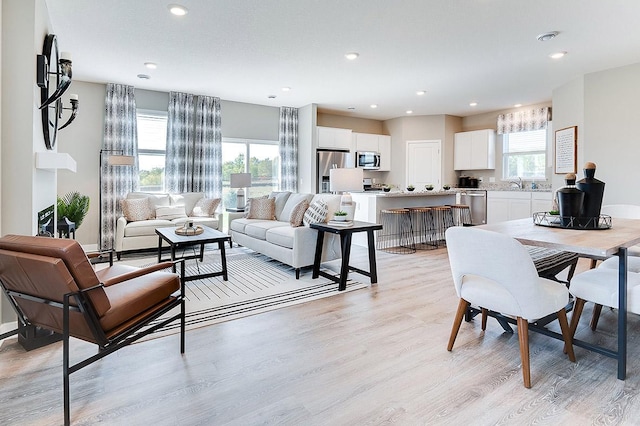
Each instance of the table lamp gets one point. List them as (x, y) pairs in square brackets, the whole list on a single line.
[(346, 180), (240, 181)]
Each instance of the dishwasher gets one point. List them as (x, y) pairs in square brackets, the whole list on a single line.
[(476, 199)]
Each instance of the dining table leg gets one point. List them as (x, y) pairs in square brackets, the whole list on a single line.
[(622, 313)]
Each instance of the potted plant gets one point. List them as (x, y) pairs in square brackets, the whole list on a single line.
[(446, 187), (428, 187), (340, 216), (386, 188), (73, 206), (410, 188)]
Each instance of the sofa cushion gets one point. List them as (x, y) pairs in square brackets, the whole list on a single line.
[(205, 207), (316, 213), (258, 229), (282, 236), (156, 200), (297, 215), (281, 198), (188, 199), (136, 209), (170, 212), (292, 202), (262, 208), (145, 227)]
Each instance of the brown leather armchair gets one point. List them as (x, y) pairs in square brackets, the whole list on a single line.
[(51, 284)]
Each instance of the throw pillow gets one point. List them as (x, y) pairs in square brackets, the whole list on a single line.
[(205, 207), (170, 212), (135, 209), (297, 214), (247, 207), (316, 213), (263, 208)]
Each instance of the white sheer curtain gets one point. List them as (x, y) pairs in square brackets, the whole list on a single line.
[(288, 149), (120, 137)]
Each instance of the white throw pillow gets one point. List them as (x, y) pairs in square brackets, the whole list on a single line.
[(205, 207), (316, 213), (170, 212)]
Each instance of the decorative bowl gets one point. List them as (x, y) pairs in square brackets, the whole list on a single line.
[(386, 189), (428, 187), (410, 188), (339, 218), (446, 187)]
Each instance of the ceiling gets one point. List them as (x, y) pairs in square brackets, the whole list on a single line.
[(459, 51)]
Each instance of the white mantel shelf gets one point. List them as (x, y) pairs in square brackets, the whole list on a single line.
[(52, 161)]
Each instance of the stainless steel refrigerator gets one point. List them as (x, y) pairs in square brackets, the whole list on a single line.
[(327, 160)]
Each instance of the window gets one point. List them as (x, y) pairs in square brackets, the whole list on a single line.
[(152, 146), (263, 164), (524, 155)]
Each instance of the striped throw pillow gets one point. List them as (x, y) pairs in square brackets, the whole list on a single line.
[(316, 213)]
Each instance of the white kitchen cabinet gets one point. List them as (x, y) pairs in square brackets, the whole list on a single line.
[(508, 205), (541, 202), (334, 138), (375, 143), (475, 150)]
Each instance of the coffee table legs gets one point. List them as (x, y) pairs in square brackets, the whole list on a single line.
[(223, 257)]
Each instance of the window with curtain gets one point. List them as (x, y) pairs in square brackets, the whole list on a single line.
[(524, 155), (263, 163), (152, 143)]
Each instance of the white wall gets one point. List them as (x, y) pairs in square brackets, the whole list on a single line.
[(307, 143)]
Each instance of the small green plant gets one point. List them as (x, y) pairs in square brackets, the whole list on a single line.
[(340, 213), (428, 187), (410, 187), (73, 206), (446, 186)]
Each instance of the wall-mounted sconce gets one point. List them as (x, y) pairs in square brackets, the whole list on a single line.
[(52, 63)]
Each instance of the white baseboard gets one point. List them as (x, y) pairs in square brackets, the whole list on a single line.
[(7, 326)]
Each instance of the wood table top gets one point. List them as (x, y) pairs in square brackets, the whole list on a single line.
[(599, 243)]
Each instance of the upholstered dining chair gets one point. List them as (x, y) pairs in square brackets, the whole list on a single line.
[(495, 272)]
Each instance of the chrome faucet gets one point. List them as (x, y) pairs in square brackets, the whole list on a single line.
[(517, 184)]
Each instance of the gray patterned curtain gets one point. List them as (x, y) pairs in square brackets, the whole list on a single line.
[(288, 149), (178, 170), (524, 121), (207, 150), (120, 137)]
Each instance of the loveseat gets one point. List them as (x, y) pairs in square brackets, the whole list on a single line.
[(143, 212), (277, 238)]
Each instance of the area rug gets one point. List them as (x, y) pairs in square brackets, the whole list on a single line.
[(256, 284)]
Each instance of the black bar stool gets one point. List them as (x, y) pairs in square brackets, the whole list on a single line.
[(396, 235), (424, 230), (461, 215), (443, 220)]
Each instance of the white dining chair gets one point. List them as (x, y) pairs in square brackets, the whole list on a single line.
[(495, 272)]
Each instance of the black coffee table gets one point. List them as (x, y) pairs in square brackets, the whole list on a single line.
[(346, 232), (178, 241)]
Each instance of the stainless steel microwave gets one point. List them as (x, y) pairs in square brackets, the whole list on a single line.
[(368, 160)]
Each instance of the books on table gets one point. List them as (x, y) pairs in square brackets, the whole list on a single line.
[(343, 223)]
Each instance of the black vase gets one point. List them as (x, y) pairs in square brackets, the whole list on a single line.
[(570, 203), (593, 192)]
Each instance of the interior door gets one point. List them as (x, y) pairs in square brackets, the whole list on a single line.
[(424, 163)]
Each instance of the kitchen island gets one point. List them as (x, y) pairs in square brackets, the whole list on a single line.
[(368, 205)]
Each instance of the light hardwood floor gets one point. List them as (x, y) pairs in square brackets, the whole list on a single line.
[(373, 356)]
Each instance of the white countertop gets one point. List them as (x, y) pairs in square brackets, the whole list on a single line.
[(407, 193)]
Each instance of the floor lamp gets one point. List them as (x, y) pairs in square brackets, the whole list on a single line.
[(240, 181), (345, 181), (114, 158)]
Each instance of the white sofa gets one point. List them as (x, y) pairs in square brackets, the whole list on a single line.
[(294, 246), (140, 234)]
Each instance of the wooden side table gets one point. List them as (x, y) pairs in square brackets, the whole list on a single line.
[(346, 232)]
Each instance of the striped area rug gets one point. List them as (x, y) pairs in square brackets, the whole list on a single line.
[(256, 284)]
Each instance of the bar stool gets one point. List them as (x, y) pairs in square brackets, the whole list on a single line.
[(424, 235), (396, 235), (442, 219), (461, 215)]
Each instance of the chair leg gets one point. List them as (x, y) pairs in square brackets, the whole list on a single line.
[(484, 319), (593, 263), (597, 309), (462, 308), (523, 337), (575, 318), (568, 338)]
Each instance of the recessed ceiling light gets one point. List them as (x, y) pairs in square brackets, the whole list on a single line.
[(409, 111), (151, 65), (421, 92), (557, 55), (178, 10), (144, 76), (547, 36), (352, 108), (517, 105), (271, 96), (286, 89), (374, 106), (473, 104), (351, 55)]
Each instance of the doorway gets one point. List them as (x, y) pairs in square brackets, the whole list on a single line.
[(424, 163)]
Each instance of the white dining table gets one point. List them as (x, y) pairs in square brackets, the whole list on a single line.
[(591, 243)]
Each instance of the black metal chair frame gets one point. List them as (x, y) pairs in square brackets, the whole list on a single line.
[(79, 302)]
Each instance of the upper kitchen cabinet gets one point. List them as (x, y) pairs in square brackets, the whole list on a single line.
[(334, 138), (475, 150), (381, 144)]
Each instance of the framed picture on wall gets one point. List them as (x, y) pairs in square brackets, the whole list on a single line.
[(566, 147)]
